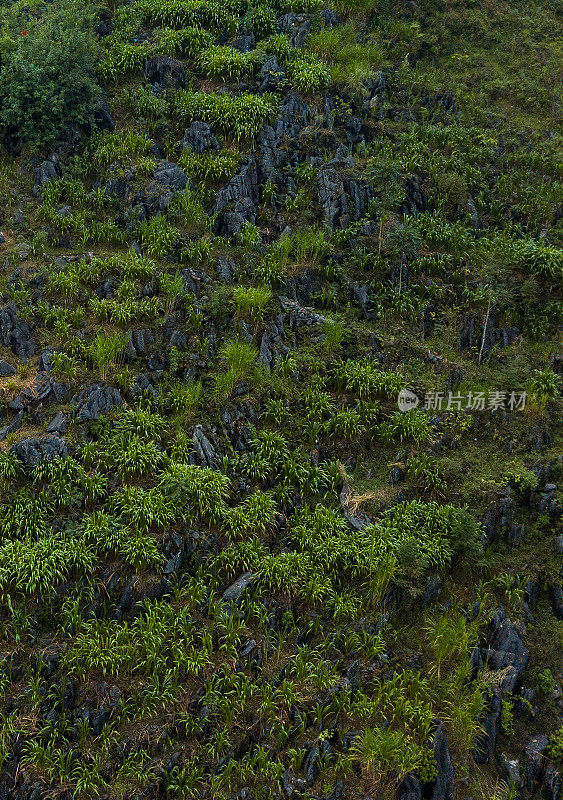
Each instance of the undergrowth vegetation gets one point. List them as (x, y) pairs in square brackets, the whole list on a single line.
[(280, 381)]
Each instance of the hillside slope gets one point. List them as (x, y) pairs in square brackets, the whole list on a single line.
[(281, 373)]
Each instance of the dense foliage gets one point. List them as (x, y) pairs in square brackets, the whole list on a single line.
[(47, 81)]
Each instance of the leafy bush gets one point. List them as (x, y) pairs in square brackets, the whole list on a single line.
[(47, 83)]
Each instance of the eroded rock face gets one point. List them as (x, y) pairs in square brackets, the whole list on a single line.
[(198, 138), (410, 789), (16, 334), (444, 784), (94, 401), (507, 652), (494, 336), (485, 743), (237, 202)]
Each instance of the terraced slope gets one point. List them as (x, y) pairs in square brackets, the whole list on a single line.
[(236, 233)]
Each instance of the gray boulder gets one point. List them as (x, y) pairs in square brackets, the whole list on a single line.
[(170, 174), (236, 590), (32, 452), (165, 72), (6, 370)]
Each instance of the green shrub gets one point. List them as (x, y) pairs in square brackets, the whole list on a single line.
[(387, 754), (250, 302), (181, 13), (365, 379), (159, 236), (186, 42), (277, 45), (308, 73), (241, 115), (122, 58), (556, 745), (145, 103), (46, 82), (546, 384), (105, 351), (414, 424), (239, 358), (37, 567), (184, 399), (212, 166), (299, 6), (262, 20), (350, 62), (197, 493), (125, 145), (228, 63)]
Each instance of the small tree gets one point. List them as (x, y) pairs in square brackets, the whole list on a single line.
[(47, 81)]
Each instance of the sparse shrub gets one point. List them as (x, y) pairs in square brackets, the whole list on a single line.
[(159, 236), (105, 351), (250, 302), (414, 424)]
